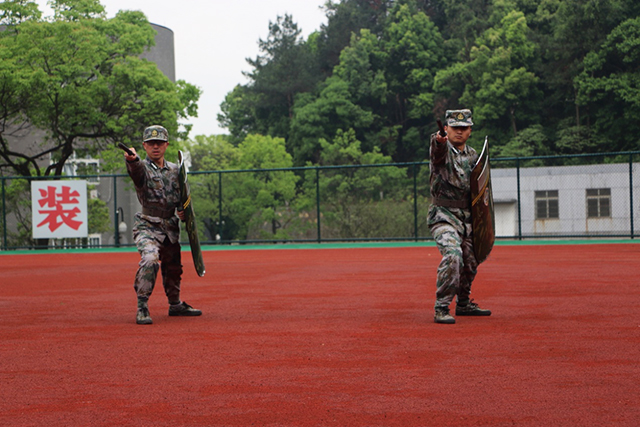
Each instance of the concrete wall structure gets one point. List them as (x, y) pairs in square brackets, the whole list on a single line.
[(163, 53)]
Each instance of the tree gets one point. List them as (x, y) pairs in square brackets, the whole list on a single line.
[(238, 113), (414, 52), (212, 153), (463, 21), (80, 79), (255, 203), (13, 12), (610, 84), (498, 84), (388, 68), (382, 88), (344, 19), (567, 31), (285, 68), (20, 206), (360, 202), (259, 197), (322, 117), (531, 141)]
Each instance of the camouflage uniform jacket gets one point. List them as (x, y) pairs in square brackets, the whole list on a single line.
[(157, 189), (450, 180)]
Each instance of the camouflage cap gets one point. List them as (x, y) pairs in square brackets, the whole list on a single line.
[(458, 118), (157, 133)]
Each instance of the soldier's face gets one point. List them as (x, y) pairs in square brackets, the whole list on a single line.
[(155, 149), (458, 135)]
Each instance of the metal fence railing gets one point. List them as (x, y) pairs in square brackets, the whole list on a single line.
[(580, 196)]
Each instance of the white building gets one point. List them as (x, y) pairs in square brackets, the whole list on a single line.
[(591, 200)]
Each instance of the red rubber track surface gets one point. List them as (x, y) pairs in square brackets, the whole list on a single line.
[(323, 337)]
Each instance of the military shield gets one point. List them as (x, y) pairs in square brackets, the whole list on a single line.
[(484, 230), (190, 218)]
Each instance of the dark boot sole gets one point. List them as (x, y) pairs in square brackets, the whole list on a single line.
[(473, 314)]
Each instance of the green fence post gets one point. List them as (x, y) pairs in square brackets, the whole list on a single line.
[(519, 201), (4, 216), (415, 203), (116, 223), (631, 191), (318, 202), (220, 206)]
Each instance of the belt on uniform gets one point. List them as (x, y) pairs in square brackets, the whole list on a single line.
[(160, 213), (460, 204)]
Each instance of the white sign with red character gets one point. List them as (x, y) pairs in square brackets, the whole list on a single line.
[(59, 209)]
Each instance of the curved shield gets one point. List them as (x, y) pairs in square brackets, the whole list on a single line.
[(190, 217), (484, 230)]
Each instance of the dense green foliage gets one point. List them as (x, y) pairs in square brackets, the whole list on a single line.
[(542, 77), (255, 194), (256, 202)]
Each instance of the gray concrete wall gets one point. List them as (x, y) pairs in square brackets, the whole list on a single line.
[(163, 53)]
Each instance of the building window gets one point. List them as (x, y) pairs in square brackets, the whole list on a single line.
[(598, 203), (547, 204)]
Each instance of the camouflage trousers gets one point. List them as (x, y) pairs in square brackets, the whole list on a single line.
[(458, 266), (156, 256)]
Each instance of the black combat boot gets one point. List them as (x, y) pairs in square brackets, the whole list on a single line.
[(470, 309), (183, 309)]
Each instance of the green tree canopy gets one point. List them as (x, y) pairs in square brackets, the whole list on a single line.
[(498, 84), (249, 200), (351, 198), (285, 67), (382, 88), (610, 86), (562, 72), (80, 78)]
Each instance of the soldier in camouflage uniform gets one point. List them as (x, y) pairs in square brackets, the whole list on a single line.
[(450, 216), (156, 229)]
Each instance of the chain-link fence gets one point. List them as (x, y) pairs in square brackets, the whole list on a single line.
[(581, 196)]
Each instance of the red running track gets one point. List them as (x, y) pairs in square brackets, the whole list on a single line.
[(323, 337)]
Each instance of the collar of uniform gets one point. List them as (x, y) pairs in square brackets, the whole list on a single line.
[(465, 151), (153, 165)]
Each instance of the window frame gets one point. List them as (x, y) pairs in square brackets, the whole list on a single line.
[(551, 200), (599, 196)]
